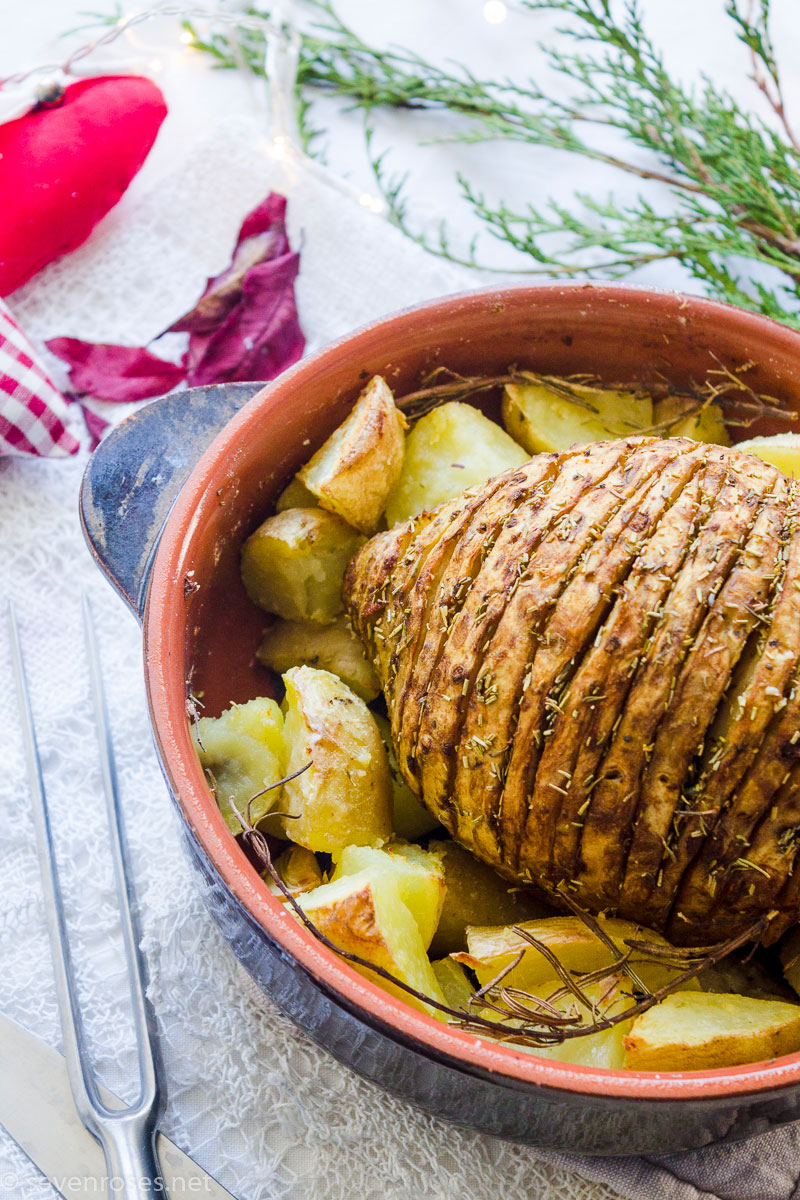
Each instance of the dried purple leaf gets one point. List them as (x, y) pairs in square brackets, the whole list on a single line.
[(116, 373), (262, 237), (244, 326), (260, 337), (95, 425)]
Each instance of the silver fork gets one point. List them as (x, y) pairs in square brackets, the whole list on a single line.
[(126, 1134)]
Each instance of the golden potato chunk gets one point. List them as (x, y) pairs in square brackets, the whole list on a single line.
[(294, 563), (333, 648), (700, 1031), (782, 451), (577, 948), (364, 914), (609, 997), (602, 1049), (454, 982), (344, 796), (476, 895), (295, 495), (410, 819), (299, 871), (543, 418), (354, 471), (418, 875), (447, 451), (244, 751), (707, 425)]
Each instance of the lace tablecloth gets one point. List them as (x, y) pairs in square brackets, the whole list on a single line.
[(249, 1095)]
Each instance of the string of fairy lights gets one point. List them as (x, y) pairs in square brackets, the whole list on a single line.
[(282, 42), (19, 91)]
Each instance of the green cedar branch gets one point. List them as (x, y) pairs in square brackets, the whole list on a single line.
[(733, 177)]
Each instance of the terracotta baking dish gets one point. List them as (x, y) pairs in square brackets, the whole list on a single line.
[(167, 501)]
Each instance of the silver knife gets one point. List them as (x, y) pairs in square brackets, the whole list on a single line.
[(37, 1110)]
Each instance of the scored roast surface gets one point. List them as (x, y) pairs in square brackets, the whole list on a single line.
[(591, 668)]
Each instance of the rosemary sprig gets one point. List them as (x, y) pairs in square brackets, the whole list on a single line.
[(739, 403), (523, 1018), (734, 177)]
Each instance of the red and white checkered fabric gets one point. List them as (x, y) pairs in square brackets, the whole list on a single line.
[(33, 413)]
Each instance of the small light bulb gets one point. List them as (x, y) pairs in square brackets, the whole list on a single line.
[(495, 12), (373, 203), (282, 147), (187, 37)]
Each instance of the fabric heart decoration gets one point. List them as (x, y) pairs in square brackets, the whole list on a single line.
[(33, 414), (66, 163)]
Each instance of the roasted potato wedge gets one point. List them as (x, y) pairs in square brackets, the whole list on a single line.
[(410, 820), (355, 470), (333, 648), (610, 996), (543, 418), (454, 983), (364, 914), (417, 873), (602, 1049), (244, 752), (295, 495), (344, 796), (578, 949), (699, 1031), (782, 451), (704, 426), (294, 563), (447, 451), (299, 871), (476, 895)]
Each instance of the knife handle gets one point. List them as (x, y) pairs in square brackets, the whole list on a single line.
[(133, 1171)]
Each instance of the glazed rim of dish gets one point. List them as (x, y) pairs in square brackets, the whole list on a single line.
[(164, 650)]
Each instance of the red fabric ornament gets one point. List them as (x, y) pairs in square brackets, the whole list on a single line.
[(33, 416), (63, 167)]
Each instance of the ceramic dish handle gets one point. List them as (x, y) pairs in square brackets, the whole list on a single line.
[(135, 474)]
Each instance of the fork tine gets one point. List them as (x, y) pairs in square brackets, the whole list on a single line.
[(140, 1009), (81, 1078), (93, 1111)]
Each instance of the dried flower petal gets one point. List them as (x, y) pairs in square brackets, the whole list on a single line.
[(117, 373), (95, 425), (261, 336), (262, 237), (244, 326)]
